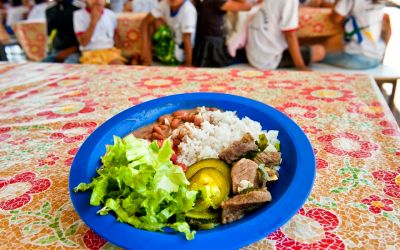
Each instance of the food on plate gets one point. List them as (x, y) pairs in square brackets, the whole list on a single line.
[(238, 149), (236, 207), (245, 175), (190, 170)]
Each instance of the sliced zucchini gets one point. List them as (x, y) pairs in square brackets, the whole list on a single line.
[(203, 217), (209, 163)]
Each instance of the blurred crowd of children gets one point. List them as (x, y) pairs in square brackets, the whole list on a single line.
[(198, 32)]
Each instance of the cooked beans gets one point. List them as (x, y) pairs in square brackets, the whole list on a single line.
[(157, 136), (175, 123), (165, 124), (157, 129)]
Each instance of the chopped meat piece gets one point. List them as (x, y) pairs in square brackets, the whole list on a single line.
[(238, 148), (270, 159), (244, 170), (235, 208)]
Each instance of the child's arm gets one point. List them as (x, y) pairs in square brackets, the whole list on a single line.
[(145, 54), (239, 5), (294, 49), (187, 46), (386, 28), (337, 18), (63, 54), (85, 37)]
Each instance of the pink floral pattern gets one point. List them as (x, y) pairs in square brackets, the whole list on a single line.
[(72, 152), (218, 87), (159, 82), (391, 180), (376, 204), (31, 185), (197, 77), (142, 98), (4, 133), (93, 241), (68, 109), (390, 128), (372, 110), (284, 84), (293, 110), (50, 160), (320, 224), (327, 94), (348, 144), (83, 129), (250, 74), (321, 163), (311, 130), (337, 78)]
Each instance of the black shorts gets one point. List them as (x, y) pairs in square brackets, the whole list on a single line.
[(287, 60)]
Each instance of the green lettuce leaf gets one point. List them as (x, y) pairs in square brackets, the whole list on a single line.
[(141, 186)]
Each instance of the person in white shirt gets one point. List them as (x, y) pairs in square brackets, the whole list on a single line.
[(17, 12), (144, 6), (181, 17), (38, 11), (362, 21), (272, 39), (95, 27), (117, 5)]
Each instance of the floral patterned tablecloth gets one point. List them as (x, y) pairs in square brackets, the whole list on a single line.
[(47, 111)]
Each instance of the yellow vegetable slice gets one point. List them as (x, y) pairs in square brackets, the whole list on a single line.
[(214, 186), (209, 163)]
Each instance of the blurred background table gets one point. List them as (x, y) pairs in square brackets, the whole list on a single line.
[(48, 110)]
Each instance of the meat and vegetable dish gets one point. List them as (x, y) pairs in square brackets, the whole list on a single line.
[(190, 170)]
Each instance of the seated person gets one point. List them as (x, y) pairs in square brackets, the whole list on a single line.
[(362, 21), (143, 6), (64, 46), (181, 17), (17, 12), (95, 27), (117, 5), (211, 49), (272, 39), (38, 11)]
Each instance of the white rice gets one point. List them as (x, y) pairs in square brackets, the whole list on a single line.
[(217, 132)]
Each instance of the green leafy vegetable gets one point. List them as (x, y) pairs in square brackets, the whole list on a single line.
[(164, 46), (142, 186), (262, 142)]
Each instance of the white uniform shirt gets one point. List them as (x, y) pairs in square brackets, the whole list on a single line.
[(369, 17), (184, 21), (15, 14), (103, 34), (38, 12), (266, 40), (144, 6)]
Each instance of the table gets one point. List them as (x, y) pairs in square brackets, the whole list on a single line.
[(313, 23), (47, 111)]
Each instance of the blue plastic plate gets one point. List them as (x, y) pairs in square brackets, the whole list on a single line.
[(289, 193)]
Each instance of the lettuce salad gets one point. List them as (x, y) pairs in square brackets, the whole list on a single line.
[(140, 184)]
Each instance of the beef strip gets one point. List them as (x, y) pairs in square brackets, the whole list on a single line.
[(238, 148), (244, 169), (270, 159), (235, 208)]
